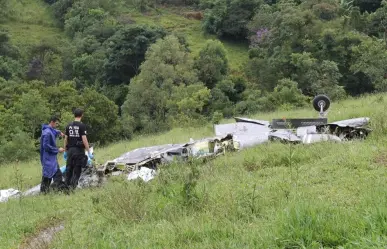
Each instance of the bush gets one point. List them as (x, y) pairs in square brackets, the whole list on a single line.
[(20, 147)]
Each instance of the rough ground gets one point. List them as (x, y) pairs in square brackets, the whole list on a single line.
[(43, 239)]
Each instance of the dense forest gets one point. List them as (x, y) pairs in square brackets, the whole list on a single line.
[(135, 78)]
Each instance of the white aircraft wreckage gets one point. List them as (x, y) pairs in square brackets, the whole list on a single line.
[(244, 133)]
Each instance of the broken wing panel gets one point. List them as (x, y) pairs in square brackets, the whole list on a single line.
[(244, 134), (314, 138), (354, 122), (253, 121)]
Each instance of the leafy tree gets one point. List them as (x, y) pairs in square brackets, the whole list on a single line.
[(5, 10), (371, 59), (126, 51), (62, 96), (115, 93), (230, 18), (46, 63), (252, 103), (101, 116), (91, 18), (11, 150), (10, 68), (87, 68), (11, 122), (187, 102), (287, 95), (233, 87), (212, 63), (6, 48), (11, 91), (260, 25), (317, 77), (378, 22), (219, 102), (60, 9), (34, 109), (263, 70), (167, 66)]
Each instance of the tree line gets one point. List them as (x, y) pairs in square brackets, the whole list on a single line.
[(134, 78)]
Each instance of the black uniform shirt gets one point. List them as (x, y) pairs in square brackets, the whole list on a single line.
[(74, 131)]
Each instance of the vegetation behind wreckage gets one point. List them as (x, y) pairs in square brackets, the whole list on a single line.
[(274, 195), (141, 67)]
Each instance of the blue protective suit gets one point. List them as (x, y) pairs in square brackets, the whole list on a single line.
[(48, 151)]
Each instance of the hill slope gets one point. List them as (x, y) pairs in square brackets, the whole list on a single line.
[(32, 22), (270, 196)]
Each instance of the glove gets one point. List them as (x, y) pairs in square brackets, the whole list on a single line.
[(65, 155), (89, 162), (91, 156)]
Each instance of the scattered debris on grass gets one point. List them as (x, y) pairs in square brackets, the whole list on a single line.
[(144, 162), (8, 193)]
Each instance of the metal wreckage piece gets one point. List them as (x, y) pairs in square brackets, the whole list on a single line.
[(152, 157)]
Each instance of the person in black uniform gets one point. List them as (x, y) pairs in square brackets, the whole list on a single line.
[(75, 144)]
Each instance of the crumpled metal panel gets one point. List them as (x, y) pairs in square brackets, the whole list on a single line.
[(32, 191), (144, 173), (314, 138), (141, 154), (354, 122), (253, 121), (210, 146), (347, 129), (301, 131), (284, 135), (245, 134), (5, 194)]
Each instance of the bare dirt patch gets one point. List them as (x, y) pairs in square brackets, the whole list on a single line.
[(381, 159), (43, 238)]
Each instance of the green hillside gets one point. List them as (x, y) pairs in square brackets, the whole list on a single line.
[(145, 74), (173, 20), (33, 22), (149, 66), (271, 196)]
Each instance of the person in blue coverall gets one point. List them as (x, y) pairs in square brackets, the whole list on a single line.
[(48, 156)]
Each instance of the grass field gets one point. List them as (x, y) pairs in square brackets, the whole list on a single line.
[(31, 23), (326, 195)]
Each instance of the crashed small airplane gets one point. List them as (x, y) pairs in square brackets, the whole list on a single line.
[(143, 162), (243, 134)]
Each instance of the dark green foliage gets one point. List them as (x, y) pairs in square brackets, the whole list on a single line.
[(60, 9), (229, 18), (167, 90), (91, 18), (316, 45), (126, 51), (26, 106), (367, 5), (50, 1), (142, 78), (101, 117), (212, 63)]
